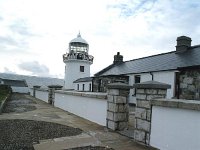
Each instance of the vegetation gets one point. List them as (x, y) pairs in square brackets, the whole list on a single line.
[(4, 90)]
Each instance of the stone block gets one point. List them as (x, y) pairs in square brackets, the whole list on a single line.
[(148, 115), (122, 125), (122, 108), (143, 125), (191, 88), (162, 92), (147, 138), (110, 98), (120, 99), (140, 91), (141, 96), (139, 136), (183, 85), (120, 117), (151, 91), (188, 80), (110, 115), (140, 113), (143, 104), (113, 92), (111, 125), (150, 97), (112, 107), (124, 92)]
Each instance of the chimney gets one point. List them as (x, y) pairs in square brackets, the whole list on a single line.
[(118, 58), (183, 43)]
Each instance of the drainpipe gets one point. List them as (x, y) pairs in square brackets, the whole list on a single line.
[(151, 76)]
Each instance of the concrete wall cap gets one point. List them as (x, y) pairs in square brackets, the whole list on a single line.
[(119, 85), (36, 86), (177, 103), (55, 86), (152, 85)]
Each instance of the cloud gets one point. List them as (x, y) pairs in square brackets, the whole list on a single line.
[(34, 68), (7, 70), (20, 27)]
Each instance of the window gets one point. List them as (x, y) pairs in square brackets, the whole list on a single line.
[(90, 87), (82, 68), (83, 87), (77, 87), (137, 80)]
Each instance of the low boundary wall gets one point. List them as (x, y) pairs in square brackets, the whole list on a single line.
[(175, 124), (42, 94), (91, 106)]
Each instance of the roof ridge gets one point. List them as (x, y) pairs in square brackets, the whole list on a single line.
[(150, 56)]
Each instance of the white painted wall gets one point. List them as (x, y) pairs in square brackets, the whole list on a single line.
[(20, 89), (93, 109), (86, 88), (72, 71), (167, 77), (175, 129), (42, 94)]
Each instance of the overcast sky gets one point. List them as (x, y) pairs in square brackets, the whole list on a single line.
[(34, 34)]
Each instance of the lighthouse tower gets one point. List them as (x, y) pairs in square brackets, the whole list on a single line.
[(77, 61)]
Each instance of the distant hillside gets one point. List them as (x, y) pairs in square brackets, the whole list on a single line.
[(33, 80)]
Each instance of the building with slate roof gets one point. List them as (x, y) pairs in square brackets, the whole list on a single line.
[(179, 68), (19, 86)]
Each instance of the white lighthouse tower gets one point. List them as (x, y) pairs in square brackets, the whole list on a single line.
[(77, 61)]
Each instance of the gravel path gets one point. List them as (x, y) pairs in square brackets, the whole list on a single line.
[(20, 134)]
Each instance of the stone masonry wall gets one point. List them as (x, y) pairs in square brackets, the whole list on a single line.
[(117, 106), (143, 112), (190, 84)]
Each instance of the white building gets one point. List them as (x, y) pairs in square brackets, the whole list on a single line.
[(77, 62), (180, 69)]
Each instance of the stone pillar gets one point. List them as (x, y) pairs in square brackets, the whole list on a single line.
[(117, 106), (51, 95), (34, 89), (145, 92)]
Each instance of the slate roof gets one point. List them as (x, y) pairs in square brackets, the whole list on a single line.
[(17, 83), (86, 79), (160, 62)]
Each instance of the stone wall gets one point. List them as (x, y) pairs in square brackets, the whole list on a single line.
[(189, 84), (117, 106), (145, 92), (100, 83)]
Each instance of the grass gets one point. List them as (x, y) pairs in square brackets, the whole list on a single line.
[(3, 92)]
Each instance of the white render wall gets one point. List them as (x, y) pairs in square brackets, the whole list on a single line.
[(87, 86), (175, 128), (167, 77), (72, 72), (42, 94), (93, 109), (20, 89)]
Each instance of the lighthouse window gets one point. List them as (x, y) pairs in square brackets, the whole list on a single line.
[(82, 68)]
